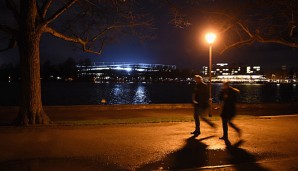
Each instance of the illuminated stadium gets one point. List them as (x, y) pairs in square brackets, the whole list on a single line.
[(118, 71)]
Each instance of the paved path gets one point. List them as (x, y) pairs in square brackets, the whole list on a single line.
[(267, 143)]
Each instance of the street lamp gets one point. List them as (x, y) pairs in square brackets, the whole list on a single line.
[(210, 38)]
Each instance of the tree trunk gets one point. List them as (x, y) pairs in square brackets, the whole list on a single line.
[(31, 110)]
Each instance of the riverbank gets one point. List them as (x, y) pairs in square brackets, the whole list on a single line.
[(152, 113)]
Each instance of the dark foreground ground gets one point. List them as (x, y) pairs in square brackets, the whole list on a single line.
[(267, 143)]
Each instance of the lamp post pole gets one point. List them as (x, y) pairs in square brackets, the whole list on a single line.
[(210, 38), (210, 80)]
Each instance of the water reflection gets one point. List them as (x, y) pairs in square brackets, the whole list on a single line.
[(262, 93), (141, 95), (277, 92), (119, 94), (249, 92), (128, 94)]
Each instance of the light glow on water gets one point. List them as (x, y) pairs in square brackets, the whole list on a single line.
[(57, 93), (141, 95)]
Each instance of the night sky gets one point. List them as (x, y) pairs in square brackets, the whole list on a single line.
[(171, 45)]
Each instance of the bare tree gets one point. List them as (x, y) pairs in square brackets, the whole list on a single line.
[(87, 23), (241, 22)]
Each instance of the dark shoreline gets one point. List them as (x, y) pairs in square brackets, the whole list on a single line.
[(64, 94)]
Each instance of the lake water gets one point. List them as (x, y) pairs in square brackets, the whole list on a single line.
[(57, 93)]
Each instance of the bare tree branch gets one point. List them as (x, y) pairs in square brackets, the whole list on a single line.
[(227, 29), (146, 23), (13, 7), (260, 40), (246, 36), (7, 29), (60, 11), (45, 8), (292, 23), (236, 44), (12, 43), (247, 22), (281, 42), (77, 40), (245, 29)]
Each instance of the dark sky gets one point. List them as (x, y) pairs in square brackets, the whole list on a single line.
[(175, 46)]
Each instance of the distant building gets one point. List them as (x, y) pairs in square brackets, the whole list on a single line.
[(234, 73), (116, 71), (284, 75), (226, 69)]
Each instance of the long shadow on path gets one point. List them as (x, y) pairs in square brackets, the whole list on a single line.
[(195, 154), (241, 159), (192, 155)]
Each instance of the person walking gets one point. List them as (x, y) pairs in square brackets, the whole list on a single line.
[(228, 96), (200, 99)]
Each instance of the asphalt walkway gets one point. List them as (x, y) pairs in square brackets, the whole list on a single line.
[(267, 143)]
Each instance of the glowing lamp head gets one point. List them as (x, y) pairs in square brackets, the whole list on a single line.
[(210, 37)]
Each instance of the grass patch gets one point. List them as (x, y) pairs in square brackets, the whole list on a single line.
[(168, 118), (139, 120), (124, 121)]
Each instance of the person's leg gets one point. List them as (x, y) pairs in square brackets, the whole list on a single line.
[(235, 127), (224, 128), (203, 113), (197, 120), (208, 121)]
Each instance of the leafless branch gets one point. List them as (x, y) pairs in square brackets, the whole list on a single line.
[(45, 8), (12, 43), (226, 29), (146, 23), (245, 29), (259, 39), (236, 44), (13, 7), (12, 33), (7, 29), (76, 40), (292, 23), (60, 11), (281, 42), (246, 35)]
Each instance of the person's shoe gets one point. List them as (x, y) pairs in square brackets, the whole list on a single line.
[(239, 133), (196, 132), (213, 125), (223, 138)]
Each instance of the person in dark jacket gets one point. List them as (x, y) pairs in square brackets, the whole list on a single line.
[(200, 99), (228, 96)]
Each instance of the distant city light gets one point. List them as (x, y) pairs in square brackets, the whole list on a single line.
[(128, 69), (224, 72), (123, 68), (222, 64)]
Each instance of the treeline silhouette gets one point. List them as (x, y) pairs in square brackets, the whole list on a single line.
[(67, 71), (48, 70)]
